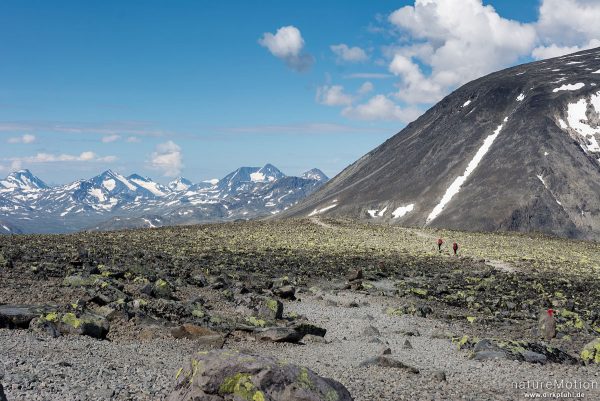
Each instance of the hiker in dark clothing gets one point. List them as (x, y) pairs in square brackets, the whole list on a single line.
[(455, 248), (440, 242)]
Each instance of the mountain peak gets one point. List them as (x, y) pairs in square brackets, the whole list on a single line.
[(315, 174), (24, 180), (179, 184)]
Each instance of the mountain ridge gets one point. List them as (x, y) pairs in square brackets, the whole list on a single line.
[(111, 200)]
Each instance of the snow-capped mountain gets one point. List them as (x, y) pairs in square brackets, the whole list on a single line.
[(22, 179), (180, 184), (111, 200), (315, 174), (516, 150)]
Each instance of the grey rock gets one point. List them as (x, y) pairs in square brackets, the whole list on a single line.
[(389, 362), (371, 331), (534, 357), (487, 355), (226, 375)]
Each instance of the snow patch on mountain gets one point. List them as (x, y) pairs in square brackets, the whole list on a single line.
[(454, 188), (578, 118), (403, 210), (569, 87), (323, 210)]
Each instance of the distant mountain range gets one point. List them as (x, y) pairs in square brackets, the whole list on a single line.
[(517, 150), (113, 201)]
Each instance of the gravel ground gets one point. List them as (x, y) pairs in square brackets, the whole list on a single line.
[(81, 368)]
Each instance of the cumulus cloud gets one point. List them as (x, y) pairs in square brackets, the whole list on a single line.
[(345, 53), (111, 138), (463, 40), (333, 95), (380, 107), (26, 139), (167, 158), (567, 26), (287, 44)]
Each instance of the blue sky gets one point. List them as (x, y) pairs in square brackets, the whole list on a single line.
[(166, 88)]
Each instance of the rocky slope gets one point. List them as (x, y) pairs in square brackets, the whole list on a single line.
[(517, 150), (113, 201), (377, 308)]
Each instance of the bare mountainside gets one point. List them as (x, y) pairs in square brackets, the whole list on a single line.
[(517, 150)]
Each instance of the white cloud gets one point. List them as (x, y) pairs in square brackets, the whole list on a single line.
[(380, 107), (167, 158), (333, 95), (287, 44), (553, 50), (110, 138), (26, 139), (42, 157), (463, 40), (133, 139), (566, 26), (365, 88), (349, 54)]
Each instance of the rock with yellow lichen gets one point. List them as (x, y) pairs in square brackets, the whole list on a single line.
[(222, 375), (591, 352)]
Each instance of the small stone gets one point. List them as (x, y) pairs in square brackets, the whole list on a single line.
[(371, 331), (386, 351), (407, 345), (440, 375), (388, 362), (354, 275)]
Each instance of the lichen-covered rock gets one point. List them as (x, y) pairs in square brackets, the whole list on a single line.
[(87, 324), (591, 352), (162, 289), (525, 351), (229, 375), (262, 307)]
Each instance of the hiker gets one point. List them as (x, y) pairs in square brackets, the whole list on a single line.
[(440, 242), (455, 248), (547, 324)]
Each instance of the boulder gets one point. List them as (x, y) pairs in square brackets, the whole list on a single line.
[(262, 307), (280, 335), (591, 352), (524, 351), (87, 324), (285, 292), (20, 316), (2, 395), (354, 275), (199, 334), (389, 362), (222, 375)]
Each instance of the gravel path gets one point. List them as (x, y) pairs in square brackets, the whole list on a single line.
[(81, 368)]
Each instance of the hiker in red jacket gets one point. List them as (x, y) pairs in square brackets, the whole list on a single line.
[(440, 242), (455, 248)]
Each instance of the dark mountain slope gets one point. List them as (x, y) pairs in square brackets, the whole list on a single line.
[(516, 150)]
